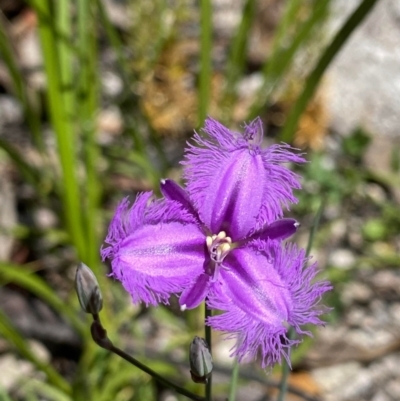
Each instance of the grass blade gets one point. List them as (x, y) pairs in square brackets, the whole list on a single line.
[(236, 61), (205, 58), (13, 336), (282, 57), (20, 86), (31, 174), (328, 55), (63, 128), (88, 104), (25, 278)]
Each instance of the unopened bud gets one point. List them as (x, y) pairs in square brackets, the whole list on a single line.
[(88, 290), (200, 358)]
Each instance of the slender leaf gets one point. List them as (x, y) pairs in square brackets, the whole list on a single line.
[(14, 337), (205, 58), (237, 56), (327, 56), (46, 390), (282, 56), (62, 126), (20, 86), (24, 277)]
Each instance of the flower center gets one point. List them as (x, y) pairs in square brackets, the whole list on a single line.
[(218, 247)]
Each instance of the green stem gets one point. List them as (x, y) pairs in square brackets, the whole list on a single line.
[(234, 380), (62, 126), (162, 380), (99, 335), (236, 62), (314, 78), (283, 386), (207, 332), (284, 381), (20, 86), (282, 56), (64, 24), (116, 44), (205, 58), (315, 226), (88, 104)]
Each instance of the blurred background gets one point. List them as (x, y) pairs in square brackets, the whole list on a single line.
[(97, 101)]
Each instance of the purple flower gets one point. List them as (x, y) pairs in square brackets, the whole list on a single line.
[(220, 239), (161, 247)]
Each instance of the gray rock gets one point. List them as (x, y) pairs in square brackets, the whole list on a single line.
[(10, 111), (363, 82), (342, 258)]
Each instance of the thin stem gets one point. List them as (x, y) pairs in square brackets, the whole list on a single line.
[(99, 335), (315, 226), (283, 386), (284, 381), (236, 62), (62, 126), (207, 332), (20, 86), (115, 43), (162, 380), (282, 56), (87, 94), (314, 78), (205, 58), (234, 379)]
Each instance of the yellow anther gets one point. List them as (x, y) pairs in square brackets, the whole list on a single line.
[(221, 235), (225, 248), (218, 246)]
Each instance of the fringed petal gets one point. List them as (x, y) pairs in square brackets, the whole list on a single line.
[(280, 182), (234, 184), (253, 338), (293, 298), (156, 249), (252, 283)]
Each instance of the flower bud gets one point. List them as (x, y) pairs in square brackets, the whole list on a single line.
[(200, 359), (88, 290)]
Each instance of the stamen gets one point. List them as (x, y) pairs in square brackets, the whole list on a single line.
[(225, 248), (221, 235), (218, 247)]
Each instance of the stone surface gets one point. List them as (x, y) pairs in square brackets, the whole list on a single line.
[(363, 82), (362, 350)]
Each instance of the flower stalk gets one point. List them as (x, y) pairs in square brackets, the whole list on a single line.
[(207, 332), (285, 373), (234, 380), (99, 333)]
